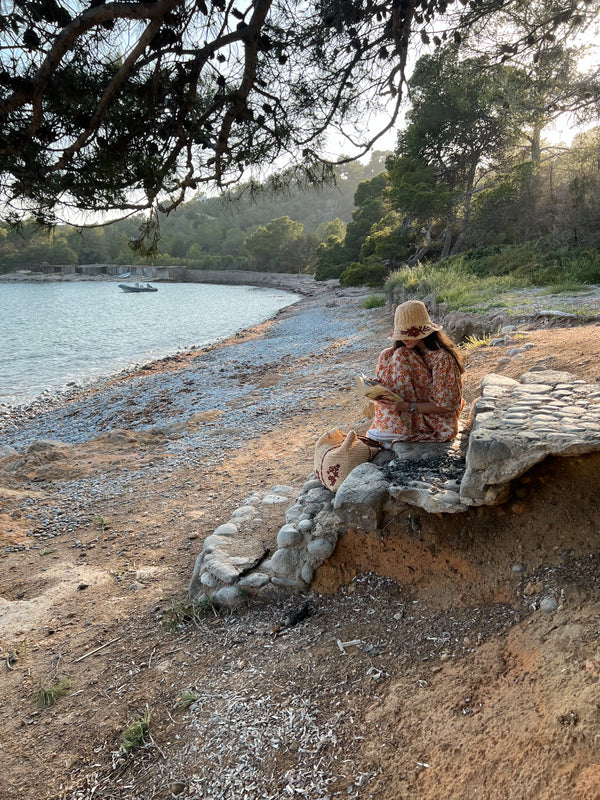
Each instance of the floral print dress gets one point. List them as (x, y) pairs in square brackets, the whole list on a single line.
[(432, 378)]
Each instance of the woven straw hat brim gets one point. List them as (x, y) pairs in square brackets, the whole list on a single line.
[(416, 332)]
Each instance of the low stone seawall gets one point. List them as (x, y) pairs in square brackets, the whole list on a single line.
[(514, 425), (303, 284)]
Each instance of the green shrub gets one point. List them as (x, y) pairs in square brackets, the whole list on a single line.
[(374, 301), (48, 695), (449, 283), (136, 733), (370, 272)]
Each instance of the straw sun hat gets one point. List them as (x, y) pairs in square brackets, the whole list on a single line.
[(336, 455), (411, 321)]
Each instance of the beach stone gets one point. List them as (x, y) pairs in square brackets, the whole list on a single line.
[(424, 496), (293, 513), (244, 511), (359, 500), (319, 495), (289, 536), (285, 490), (209, 581), (213, 541), (228, 597), (313, 483), (253, 580), (327, 525), (548, 604), (286, 563), (221, 568), (274, 499), (228, 529), (196, 588), (307, 573), (320, 549)]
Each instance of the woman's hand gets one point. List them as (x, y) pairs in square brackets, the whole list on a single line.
[(399, 406)]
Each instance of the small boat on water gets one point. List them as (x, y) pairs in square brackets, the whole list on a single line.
[(137, 287)]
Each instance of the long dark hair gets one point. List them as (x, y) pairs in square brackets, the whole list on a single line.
[(439, 341)]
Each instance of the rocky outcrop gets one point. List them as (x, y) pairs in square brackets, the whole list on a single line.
[(513, 425), (517, 424)]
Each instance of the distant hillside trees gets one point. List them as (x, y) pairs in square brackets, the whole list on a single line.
[(208, 232)]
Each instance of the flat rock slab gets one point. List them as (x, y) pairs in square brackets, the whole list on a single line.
[(516, 424)]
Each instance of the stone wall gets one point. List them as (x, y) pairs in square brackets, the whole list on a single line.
[(513, 426)]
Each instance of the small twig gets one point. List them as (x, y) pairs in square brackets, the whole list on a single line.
[(157, 747), (102, 646)]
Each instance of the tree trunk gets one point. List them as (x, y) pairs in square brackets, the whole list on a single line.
[(447, 238), (457, 247)]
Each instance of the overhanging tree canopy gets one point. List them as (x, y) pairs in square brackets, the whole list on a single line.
[(113, 105)]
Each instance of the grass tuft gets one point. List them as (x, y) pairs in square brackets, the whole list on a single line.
[(181, 614), (136, 733), (47, 696), (473, 341), (186, 699), (374, 301)]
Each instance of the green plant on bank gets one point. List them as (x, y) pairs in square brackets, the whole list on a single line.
[(567, 287), (374, 301), (450, 284), (181, 613), (136, 733), (102, 522), (478, 280), (185, 700), (47, 551), (48, 695), (473, 341)]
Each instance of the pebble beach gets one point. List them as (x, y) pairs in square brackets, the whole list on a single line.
[(163, 395)]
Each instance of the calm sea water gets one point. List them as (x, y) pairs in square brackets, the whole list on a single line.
[(53, 334)]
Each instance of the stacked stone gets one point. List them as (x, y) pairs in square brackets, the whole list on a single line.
[(232, 568), (516, 424)]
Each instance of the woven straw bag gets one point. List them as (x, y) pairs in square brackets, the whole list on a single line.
[(336, 455)]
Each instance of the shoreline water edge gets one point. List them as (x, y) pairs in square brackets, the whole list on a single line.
[(299, 285), (171, 389)]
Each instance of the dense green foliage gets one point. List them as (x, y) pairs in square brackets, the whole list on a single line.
[(475, 278), (134, 105), (472, 170)]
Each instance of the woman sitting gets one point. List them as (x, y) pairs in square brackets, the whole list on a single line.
[(424, 368)]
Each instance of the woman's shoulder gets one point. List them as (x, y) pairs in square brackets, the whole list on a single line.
[(387, 353), (441, 359)]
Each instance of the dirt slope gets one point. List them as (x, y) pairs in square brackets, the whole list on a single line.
[(447, 682)]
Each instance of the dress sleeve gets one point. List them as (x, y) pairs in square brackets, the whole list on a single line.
[(446, 382)]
